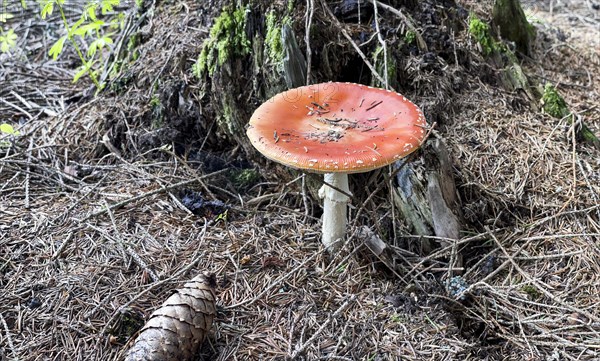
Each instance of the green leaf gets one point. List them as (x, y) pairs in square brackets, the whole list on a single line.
[(11, 36), (23, 4), (47, 8), (57, 48), (90, 11), (107, 5), (75, 27), (8, 129), (99, 44), (82, 70), (80, 73), (118, 22), (88, 28), (5, 16), (8, 41)]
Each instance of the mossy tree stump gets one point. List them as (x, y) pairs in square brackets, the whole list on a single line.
[(509, 18), (257, 49)]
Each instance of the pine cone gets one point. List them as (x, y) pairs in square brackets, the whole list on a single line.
[(176, 330)]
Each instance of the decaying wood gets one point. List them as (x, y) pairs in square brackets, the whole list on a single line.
[(426, 195), (376, 245), (176, 330), (410, 196), (441, 191), (294, 64)]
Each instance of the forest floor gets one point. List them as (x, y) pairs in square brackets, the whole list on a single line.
[(92, 239)]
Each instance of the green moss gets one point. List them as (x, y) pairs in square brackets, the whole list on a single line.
[(154, 102), (157, 113), (117, 66), (273, 42), (227, 38), (128, 322), (226, 120), (245, 178), (531, 291), (133, 42), (201, 64), (531, 17), (514, 78), (290, 6), (120, 83), (410, 37), (554, 104), (481, 32), (396, 318)]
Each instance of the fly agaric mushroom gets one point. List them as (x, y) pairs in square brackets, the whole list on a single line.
[(336, 129)]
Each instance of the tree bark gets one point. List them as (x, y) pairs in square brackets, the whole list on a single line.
[(427, 198), (509, 17)]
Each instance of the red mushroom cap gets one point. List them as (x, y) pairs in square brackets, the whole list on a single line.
[(337, 127)]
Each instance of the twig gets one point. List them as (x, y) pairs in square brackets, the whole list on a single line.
[(28, 174), (453, 259), (128, 28), (157, 76), (76, 203), (134, 199), (300, 349), (136, 257), (307, 208), (445, 249), (62, 247), (559, 214), (310, 10), (17, 108), (9, 341), (383, 46), (294, 323), (539, 287)]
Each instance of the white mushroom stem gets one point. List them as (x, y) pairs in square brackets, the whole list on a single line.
[(334, 210)]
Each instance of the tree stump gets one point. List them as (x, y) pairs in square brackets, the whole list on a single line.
[(509, 18)]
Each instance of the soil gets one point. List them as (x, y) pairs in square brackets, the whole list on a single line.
[(109, 202)]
